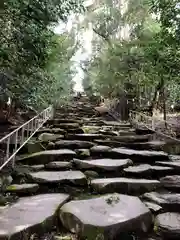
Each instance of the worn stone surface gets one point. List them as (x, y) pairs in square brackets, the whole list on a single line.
[(106, 216), (131, 138), (66, 126), (91, 174), (73, 144), (171, 182), (75, 177), (51, 130), (140, 155), (86, 136), (103, 164), (115, 123), (124, 185), (168, 201), (168, 225), (33, 147), (49, 137), (22, 188), (155, 208), (82, 153), (174, 164), (48, 156), (58, 165), (30, 214), (148, 170), (100, 150)]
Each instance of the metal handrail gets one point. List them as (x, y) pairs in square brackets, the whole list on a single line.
[(23, 134)]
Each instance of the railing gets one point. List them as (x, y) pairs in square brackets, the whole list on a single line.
[(20, 136), (155, 124)]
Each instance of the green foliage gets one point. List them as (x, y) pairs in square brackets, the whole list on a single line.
[(34, 59), (144, 63)]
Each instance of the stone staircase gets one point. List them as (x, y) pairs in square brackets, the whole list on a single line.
[(84, 177)]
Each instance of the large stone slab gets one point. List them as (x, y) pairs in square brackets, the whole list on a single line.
[(168, 225), (22, 188), (124, 185), (48, 137), (116, 123), (48, 156), (103, 164), (85, 136), (147, 170), (73, 144), (171, 182), (100, 150), (132, 138), (58, 165), (174, 164), (169, 201), (29, 215), (66, 126), (140, 155), (51, 130), (106, 217), (74, 177)]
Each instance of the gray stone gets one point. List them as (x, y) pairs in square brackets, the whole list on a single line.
[(168, 225), (5, 181), (91, 174), (140, 155), (19, 220), (174, 164), (67, 126), (49, 137), (124, 185), (58, 165), (82, 153), (33, 147), (73, 144), (171, 182), (75, 177), (99, 150), (22, 188), (132, 138), (147, 170), (86, 136), (155, 208), (45, 157), (116, 123), (51, 130), (35, 167), (103, 164), (168, 201), (106, 216)]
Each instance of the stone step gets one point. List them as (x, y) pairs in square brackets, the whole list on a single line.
[(22, 189), (60, 177), (140, 155), (115, 165), (29, 214), (147, 171), (171, 183), (168, 201), (73, 144), (45, 157), (56, 166), (106, 217), (124, 185), (85, 136)]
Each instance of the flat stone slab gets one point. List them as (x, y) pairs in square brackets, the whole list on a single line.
[(155, 208), (28, 214), (147, 170), (108, 216), (132, 138), (103, 164), (86, 136), (58, 165), (66, 125), (100, 149), (116, 123), (48, 156), (140, 155), (171, 182), (124, 185), (51, 130), (74, 177), (48, 137), (168, 201), (168, 225), (174, 164), (22, 188), (73, 144)]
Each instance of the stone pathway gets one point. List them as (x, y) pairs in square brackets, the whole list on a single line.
[(83, 177)]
